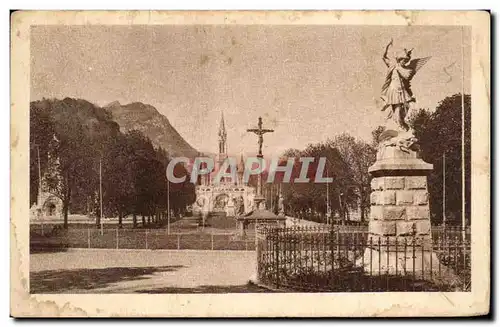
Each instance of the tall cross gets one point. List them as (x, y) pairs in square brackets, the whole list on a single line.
[(260, 132)]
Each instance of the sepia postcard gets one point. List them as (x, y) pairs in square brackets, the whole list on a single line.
[(250, 164)]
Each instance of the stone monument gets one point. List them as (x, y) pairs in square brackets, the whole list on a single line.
[(259, 199), (230, 208), (281, 205), (399, 212)]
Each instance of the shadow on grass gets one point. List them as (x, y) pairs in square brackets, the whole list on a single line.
[(47, 249), (206, 289), (66, 281)]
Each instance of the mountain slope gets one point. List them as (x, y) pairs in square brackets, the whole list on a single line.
[(154, 125)]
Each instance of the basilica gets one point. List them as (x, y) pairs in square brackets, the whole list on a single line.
[(230, 198)]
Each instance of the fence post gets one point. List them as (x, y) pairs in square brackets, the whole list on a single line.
[(332, 253), (178, 241), (464, 265), (257, 251), (212, 241), (277, 251), (387, 276), (413, 261), (146, 239), (88, 237), (117, 238), (255, 240)]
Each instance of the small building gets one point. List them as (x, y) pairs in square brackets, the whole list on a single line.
[(48, 206), (260, 217)]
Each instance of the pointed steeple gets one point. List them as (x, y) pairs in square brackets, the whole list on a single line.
[(222, 136), (241, 165), (222, 127), (241, 170)]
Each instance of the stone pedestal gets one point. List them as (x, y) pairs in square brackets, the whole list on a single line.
[(259, 202), (281, 206), (230, 212), (400, 239), (241, 227), (204, 218)]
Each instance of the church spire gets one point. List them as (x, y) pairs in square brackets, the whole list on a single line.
[(222, 144), (222, 136)]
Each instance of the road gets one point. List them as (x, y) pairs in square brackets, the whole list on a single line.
[(142, 271)]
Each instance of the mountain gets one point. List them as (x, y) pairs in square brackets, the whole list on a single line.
[(150, 122)]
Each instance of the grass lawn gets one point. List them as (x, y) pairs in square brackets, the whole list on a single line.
[(184, 234)]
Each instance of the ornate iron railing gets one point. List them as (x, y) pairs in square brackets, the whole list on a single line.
[(332, 260)]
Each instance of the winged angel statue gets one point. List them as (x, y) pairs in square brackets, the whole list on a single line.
[(396, 91)]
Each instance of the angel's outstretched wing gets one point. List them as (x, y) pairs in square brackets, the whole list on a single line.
[(416, 64)]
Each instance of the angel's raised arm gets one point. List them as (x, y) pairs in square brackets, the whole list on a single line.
[(385, 58)]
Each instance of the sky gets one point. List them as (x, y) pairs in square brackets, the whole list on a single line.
[(308, 83)]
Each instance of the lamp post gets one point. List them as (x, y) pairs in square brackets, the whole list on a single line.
[(39, 200), (463, 141), (444, 189), (328, 210), (168, 207), (341, 194), (100, 196)]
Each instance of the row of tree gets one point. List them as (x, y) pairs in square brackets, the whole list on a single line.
[(77, 142), (440, 139), (347, 162)]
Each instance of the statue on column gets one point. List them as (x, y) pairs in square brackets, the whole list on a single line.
[(398, 97), (230, 207), (281, 206), (239, 206)]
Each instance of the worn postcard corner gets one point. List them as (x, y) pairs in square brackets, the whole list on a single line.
[(250, 164)]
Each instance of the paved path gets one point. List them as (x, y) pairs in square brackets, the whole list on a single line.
[(128, 271)]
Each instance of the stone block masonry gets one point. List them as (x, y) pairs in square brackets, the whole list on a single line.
[(400, 228), (416, 182), (393, 183), (418, 212), (399, 198), (389, 197), (420, 197), (404, 197)]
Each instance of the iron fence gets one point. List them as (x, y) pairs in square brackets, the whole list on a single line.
[(332, 260)]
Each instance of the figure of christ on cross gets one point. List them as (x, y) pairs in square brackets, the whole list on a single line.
[(260, 132)]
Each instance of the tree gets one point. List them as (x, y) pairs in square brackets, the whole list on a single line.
[(119, 167), (71, 133), (440, 133), (73, 137), (71, 148), (358, 156), (347, 162), (41, 135)]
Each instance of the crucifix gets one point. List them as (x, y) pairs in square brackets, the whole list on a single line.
[(259, 200), (260, 132)]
